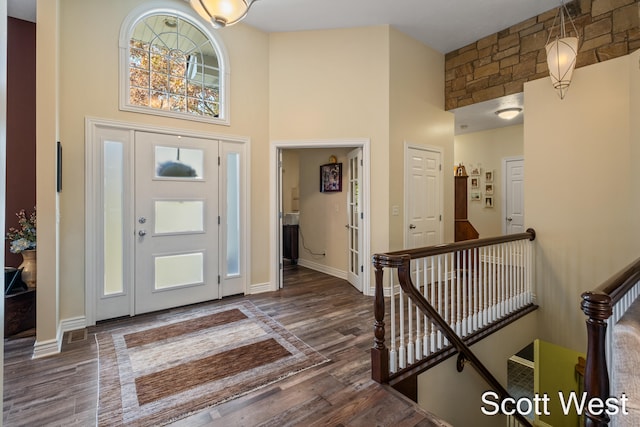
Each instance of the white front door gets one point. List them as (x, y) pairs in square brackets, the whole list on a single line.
[(423, 216), (513, 218), (176, 221), (355, 218)]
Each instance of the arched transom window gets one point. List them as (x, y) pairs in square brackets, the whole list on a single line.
[(173, 66)]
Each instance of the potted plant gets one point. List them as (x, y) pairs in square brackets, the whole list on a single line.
[(22, 240)]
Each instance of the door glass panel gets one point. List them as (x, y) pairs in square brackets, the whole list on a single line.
[(174, 162), (113, 217), (179, 216), (233, 214), (178, 270)]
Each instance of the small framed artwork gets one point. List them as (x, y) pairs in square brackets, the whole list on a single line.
[(488, 189), (475, 171), (475, 196), (488, 201), (488, 176), (331, 177), (475, 183)]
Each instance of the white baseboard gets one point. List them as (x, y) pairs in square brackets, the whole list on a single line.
[(72, 324), (51, 347), (47, 348), (258, 288), (323, 269)]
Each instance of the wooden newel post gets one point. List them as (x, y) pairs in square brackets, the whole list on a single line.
[(598, 308), (379, 352)]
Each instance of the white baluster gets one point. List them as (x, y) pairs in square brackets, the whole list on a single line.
[(402, 350), (393, 355)]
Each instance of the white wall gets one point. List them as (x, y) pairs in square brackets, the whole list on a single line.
[(580, 183), (485, 150)]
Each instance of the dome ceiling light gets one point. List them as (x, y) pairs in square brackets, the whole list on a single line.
[(509, 113), (221, 13)]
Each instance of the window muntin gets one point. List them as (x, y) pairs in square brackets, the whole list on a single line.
[(173, 66)]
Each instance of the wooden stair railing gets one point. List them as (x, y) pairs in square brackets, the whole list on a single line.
[(605, 304), (401, 261)]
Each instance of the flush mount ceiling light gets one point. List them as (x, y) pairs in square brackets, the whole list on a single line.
[(561, 52), (221, 13), (508, 113)]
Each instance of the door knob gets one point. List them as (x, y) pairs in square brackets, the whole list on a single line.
[(411, 226), (142, 220), (509, 219), (142, 233)]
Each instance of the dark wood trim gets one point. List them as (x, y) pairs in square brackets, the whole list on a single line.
[(620, 283), (379, 352), (598, 305), (394, 259)]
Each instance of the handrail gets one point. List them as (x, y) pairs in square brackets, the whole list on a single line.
[(599, 305), (387, 259), (404, 274)]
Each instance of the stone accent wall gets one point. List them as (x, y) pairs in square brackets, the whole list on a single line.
[(499, 64)]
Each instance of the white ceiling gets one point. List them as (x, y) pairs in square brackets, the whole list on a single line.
[(444, 25)]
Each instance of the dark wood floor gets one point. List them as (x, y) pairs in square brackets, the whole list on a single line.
[(325, 312)]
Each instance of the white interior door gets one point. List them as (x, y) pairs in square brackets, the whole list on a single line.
[(355, 218), (423, 186), (176, 214), (513, 218)]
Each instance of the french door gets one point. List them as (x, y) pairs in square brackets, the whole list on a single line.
[(167, 220), (355, 218)]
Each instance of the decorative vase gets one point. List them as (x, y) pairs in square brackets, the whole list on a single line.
[(29, 267)]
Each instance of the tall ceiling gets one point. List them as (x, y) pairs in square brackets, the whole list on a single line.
[(444, 25)]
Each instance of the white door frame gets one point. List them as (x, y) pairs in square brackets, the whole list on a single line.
[(506, 160), (93, 194), (405, 221), (274, 202)]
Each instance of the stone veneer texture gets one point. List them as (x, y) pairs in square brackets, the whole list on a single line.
[(500, 64)]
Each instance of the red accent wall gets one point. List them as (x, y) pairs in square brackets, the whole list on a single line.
[(21, 124)]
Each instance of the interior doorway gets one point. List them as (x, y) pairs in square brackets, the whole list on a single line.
[(513, 202), (325, 229)]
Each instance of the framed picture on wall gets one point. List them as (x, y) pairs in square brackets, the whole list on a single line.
[(475, 171), (488, 201), (488, 176), (475, 196), (475, 183), (331, 177), (488, 189)]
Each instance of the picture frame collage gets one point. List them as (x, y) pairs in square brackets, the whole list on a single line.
[(481, 183)]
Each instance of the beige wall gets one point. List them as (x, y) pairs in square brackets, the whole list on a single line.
[(89, 87), (47, 133), (416, 116), (335, 84), (634, 113), (485, 150), (580, 187), (457, 397), (323, 215)]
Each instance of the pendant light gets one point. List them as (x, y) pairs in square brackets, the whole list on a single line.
[(561, 52)]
